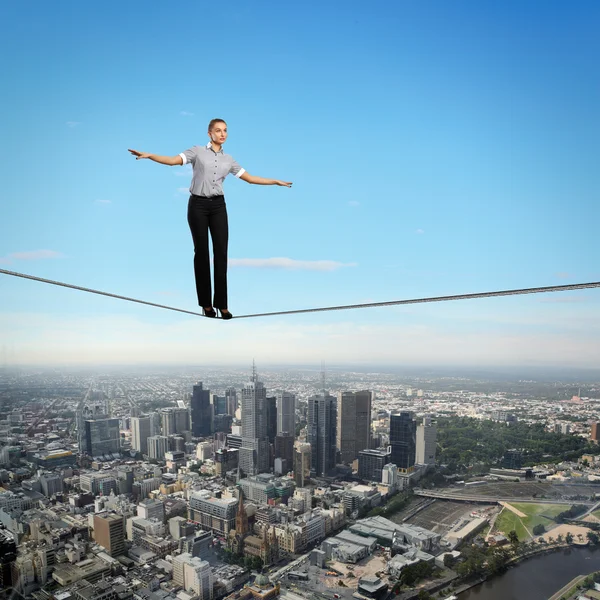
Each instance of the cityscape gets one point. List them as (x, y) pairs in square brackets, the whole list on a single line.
[(214, 483)]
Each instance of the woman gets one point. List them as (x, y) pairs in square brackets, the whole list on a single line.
[(207, 210)]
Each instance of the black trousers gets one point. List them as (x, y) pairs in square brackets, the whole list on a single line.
[(204, 215)]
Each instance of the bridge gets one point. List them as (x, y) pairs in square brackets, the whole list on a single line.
[(475, 499)]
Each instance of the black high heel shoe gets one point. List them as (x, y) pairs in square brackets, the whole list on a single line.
[(212, 313), (226, 315)]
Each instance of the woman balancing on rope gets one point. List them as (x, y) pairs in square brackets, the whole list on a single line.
[(207, 210)]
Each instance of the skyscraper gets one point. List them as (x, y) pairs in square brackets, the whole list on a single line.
[(272, 413), (595, 433), (403, 442), (426, 442), (157, 446), (302, 463), (254, 452), (201, 412), (232, 401), (286, 414), (102, 436), (353, 424), (141, 430), (322, 417), (174, 420)]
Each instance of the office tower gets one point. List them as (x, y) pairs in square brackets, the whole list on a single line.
[(302, 463), (141, 430), (284, 448), (8, 554), (174, 420), (158, 445), (102, 436), (353, 424), (254, 452), (52, 483), (93, 406), (322, 419), (232, 401), (125, 479), (219, 404), (193, 574), (109, 532), (403, 434), (201, 411), (595, 433), (286, 414), (426, 442), (223, 423), (271, 418), (371, 463)]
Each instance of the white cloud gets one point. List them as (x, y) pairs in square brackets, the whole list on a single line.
[(420, 231), (288, 263), (102, 201), (185, 113), (73, 123), (353, 203), (564, 275), (30, 255)]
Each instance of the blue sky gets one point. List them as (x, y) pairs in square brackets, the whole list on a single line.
[(435, 148)]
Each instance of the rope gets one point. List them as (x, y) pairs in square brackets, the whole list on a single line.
[(517, 292)]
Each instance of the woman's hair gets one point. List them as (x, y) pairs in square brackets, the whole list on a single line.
[(214, 122)]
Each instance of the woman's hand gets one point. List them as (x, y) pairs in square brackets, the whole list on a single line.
[(283, 183), (139, 155)]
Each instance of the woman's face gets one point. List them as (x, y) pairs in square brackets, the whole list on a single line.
[(218, 133)]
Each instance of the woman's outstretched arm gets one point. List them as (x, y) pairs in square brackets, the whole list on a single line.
[(262, 181), (163, 160)]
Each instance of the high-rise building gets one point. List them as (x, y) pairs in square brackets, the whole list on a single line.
[(201, 411), (302, 463), (109, 532), (125, 479), (595, 433), (219, 405), (254, 452), (93, 406), (426, 442), (232, 401), (174, 419), (371, 463), (102, 436), (193, 574), (322, 418), (151, 509), (141, 430), (8, 554), (286, 414), (353, 424), (271, 418), (284, 448), (403, 440), (158, 445)]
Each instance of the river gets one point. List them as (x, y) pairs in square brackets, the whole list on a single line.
[(537, 578)]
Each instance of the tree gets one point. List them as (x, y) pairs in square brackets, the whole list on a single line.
[(513, 538), (592, 537), (449, 560), (569, 538), (559, 538), (539, 529)]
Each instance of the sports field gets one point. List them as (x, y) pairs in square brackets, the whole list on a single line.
[(536, 514)]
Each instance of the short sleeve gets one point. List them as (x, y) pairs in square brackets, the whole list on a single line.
[(189, 156), (236, 170)]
